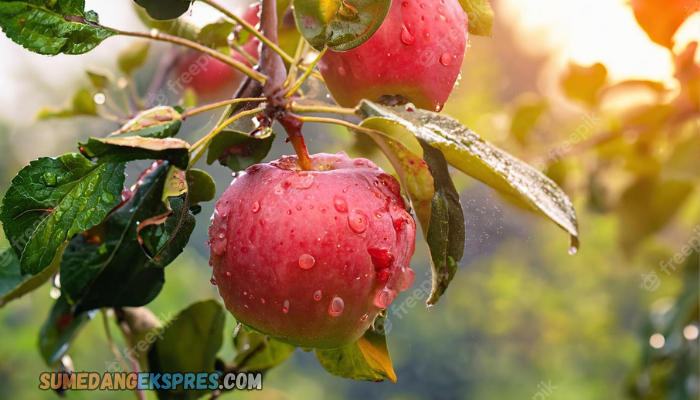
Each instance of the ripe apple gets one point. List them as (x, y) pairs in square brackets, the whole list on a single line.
[(311, 257), (416, 53)]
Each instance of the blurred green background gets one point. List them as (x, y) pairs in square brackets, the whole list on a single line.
[(576, 88)]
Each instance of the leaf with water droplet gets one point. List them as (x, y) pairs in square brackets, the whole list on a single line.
[(339, 25), (257, 352), (39, 218), (52, 27), (92, 268), (367, 359), (468, 152)]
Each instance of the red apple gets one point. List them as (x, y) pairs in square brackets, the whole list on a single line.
[(416, 53), (311, 257), (208, 76)]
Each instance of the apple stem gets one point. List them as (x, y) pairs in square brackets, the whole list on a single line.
[(213, 106), (292, 124), (297, 108), (306, 74)]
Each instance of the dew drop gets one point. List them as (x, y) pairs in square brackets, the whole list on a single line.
[(406, 36), (256, 207), (364, 318), (446, 59), (357, 220), (285, 306), (336, 306), (384, 298), (341, 71), (50, 178), (405, 279), (318, 295), (340, 204), (306, 261), (213, 280)]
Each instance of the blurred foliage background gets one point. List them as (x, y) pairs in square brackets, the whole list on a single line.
[(577, 88)]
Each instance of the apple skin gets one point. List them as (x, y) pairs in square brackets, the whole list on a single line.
[(216, 78), (311, 257), (416, 53)]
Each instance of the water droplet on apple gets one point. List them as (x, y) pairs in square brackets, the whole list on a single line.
[(285, 306), (212, 280), (342, 71), (336, 306), (256, 207), (405, 279), (446, 59), (306, 261), (318, 295), (384, 298), (357, 220), (364, 317), (340, 204)]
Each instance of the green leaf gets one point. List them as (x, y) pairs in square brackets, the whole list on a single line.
[(530, 108), (59, 330), (647, 206), (257, 352), (159, 122), (189, 344), (216, 34), (446, 233), (123, 149), (51, 27), (53, 199), (367, 359), (339, 25), (133, 56), (165, 9), (13, 283), (200, 186), (238, 150), (107, 267), (82, 104), (584, 83), (100, 79), (175, 27), (466, 151), (480, 16)]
